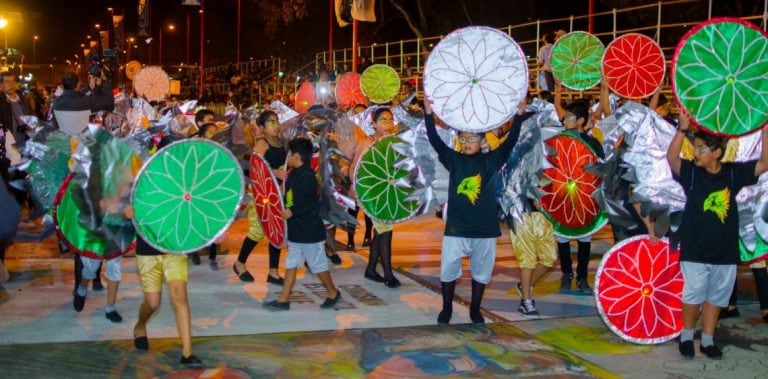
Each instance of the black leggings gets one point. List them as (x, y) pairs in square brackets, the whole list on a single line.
[(368, 226)]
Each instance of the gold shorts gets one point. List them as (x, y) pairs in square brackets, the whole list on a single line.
[(152, 269), (255, 230), (534, 242)]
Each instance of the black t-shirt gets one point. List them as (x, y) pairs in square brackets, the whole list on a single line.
[(472, 207), (144, 248), (710, 228), (302, 197)]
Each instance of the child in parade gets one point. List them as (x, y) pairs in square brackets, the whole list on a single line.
[(709, 248), (381, 244), (575, 117), (306, 232), (272, 148), (472, 223)]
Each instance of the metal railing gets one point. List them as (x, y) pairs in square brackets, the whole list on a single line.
[(409, 56)]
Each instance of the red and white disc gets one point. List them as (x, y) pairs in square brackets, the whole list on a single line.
[(268, 201), (633, 66), (638, 291)]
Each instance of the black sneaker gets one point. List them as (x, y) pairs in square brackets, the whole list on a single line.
[(366, 242), (374, 276), (711, 351), (392, 282), (729, 313), (78, 302), (276, 281), (114, 317), (244, 276), (350, 247), (528, 308), (141, 343), (519, 288), (330, 303), (444, 317), (583, 286), (686, 349), (565, 283), (97, 286), (275, 305), (213, 264), (195, 257), (335, 259), (191, 361)]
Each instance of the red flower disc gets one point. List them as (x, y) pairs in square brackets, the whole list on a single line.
[(633, 66), (305, 97), (268, 201), (638, 291), (568, 201), (348, 92)]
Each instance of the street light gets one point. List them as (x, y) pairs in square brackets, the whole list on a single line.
[(171, 28), (34, 50), (3, 25)]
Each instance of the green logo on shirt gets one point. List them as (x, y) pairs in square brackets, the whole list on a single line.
[(289, 198), (719, 202), (470, 187)]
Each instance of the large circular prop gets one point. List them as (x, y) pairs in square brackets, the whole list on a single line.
[(633, 66), (305, 97), (638, 291), (187, 195), (719, 76), (268, 201), (379, 184), (475, 78), (568, 201), (348, 91), (380, 83), (152, 82), (576, 59), (74, 234), (132, 68)]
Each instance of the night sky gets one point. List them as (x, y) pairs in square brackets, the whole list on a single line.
[(62, 25)]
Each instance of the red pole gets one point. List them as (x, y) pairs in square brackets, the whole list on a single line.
[(186, 61), (354, 45), (591, 25), (202, 48), (238, 30), (330, 36)]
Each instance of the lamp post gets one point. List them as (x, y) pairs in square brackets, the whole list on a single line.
[(171, 27), (34, 50)]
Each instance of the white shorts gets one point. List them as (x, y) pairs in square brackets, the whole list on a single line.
[(313, 253), (481, 253), (112, 271), (705, 282)]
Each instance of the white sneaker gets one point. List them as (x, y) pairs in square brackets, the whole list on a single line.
[(527, 308)]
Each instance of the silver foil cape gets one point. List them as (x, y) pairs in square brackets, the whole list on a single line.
[(103, 171), (647, 137), (433, 180), (753, 199), (519, 176)]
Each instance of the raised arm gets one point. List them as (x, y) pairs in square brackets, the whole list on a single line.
[(434, 139), (559, 99), (673, 152)]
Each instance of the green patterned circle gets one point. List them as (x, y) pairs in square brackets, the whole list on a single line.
[(187, 195), (380, 83), (720, 76), (376, 183), (576, 60)]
